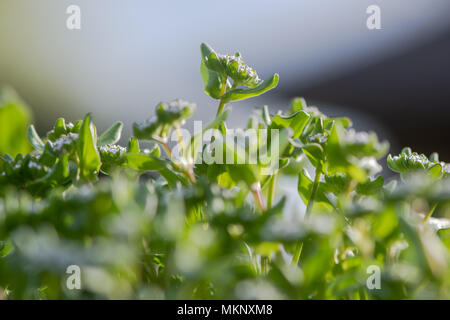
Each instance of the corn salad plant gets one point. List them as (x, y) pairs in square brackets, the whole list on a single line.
[(149, 223)]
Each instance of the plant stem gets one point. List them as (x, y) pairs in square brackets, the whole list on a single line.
[(265, 182), (297, 253), (180, 139), (313, 191), (189, 171), (166, 148), (430, 212), (299, 247), (222, 103), (271, 193), (257, 195), (190, 174), (265, 261), (221, 107)]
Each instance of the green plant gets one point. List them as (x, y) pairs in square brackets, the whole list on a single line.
[(142, 223)]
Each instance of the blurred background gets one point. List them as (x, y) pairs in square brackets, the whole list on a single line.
[(129, 55)]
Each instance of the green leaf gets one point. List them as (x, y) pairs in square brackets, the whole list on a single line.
[(239, 170), (337, 183), (213, 82), (112, 135), (14, 120), (77, 126), (241, 94), (314, 152), (407, 151), (390, 186), (298, 104), (87, 150), (242, 172), (60, 171), (355, 153), (371, 186), (296, 122), (385, 223), (436, 171), (49, 156), (34, 139), (266, 116), (6, 247), (434, 157), (304, 186), (148, 162), (145, 162), (133, 146), (60, 127), (343, 121)]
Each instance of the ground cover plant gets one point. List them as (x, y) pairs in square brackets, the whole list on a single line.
[(152, 223)]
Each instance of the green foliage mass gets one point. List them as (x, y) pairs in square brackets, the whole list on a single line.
[(14, 119), (144, 224)]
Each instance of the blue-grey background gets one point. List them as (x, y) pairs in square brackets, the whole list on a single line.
[(129, 55)]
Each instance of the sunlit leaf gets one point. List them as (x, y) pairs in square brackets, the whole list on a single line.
[(112, 135), (87, 150), (14, 120), (241, 94), (34, 138)]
